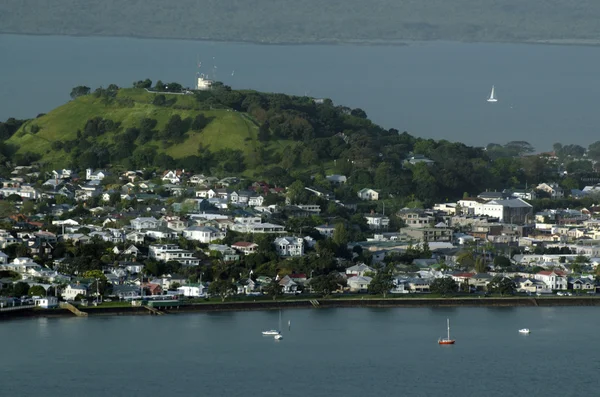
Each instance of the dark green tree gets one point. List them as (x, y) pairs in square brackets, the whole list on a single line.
[(443, 286), (221, 288), (381, 284), (502, 285), (78, 91), (274, 289), (20, 289)]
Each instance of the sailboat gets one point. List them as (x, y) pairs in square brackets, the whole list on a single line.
[(279, 336), (274, 331), (446, 341), (492, 97)]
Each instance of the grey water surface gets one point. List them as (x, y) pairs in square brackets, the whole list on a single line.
[(327, 352)]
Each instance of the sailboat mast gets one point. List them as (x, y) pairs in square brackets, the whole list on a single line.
[(448, 328)]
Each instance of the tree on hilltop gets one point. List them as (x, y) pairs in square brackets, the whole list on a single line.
[(78, 91)]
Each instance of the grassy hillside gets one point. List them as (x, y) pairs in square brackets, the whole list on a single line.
[(227, 129), (306, 21)]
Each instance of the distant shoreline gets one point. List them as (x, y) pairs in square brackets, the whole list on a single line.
[(310, 304), (326, 42)]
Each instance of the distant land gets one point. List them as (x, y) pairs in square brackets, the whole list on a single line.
[(311, 21)]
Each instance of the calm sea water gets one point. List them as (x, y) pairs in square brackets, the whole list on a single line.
[(547, 93), (328, 352)]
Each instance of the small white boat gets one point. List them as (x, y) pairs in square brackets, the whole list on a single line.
[(492, 97), (278, 337), (524, 331)]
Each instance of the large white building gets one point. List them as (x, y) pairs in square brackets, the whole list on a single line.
[(514, 210)]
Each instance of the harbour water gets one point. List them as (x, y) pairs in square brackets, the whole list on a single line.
[(546, 93), (327, 352)]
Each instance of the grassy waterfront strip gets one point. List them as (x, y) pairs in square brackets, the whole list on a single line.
[(125, 308)]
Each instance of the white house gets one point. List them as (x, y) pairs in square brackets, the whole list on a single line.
[(377, 221), (73, 290), (143, 223), (336, 179), (368, 194), (325, 230), (360, 270), (192, 290), (203, 234), (47, 302), (289, 246), (554, 279), (173, 176), (359, 283), (92, 175)]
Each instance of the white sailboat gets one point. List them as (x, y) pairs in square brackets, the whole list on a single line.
[(279, 336), (274, 331), (492, 97)]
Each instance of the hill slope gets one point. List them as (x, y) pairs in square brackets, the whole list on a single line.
[(49, 136), (62, 123)]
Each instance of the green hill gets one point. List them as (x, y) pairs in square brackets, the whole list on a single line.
[(52, 137), (286, 140)]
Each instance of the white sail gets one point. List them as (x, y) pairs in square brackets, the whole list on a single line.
[(492, 97)]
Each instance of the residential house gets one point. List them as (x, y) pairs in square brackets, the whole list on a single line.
[(25, 191), (489, 196), (360, 270), (531, 286), (289, 246), (47, 302), (192, 290), (153, 289), (325, 230), (336, 180), (62, 174), (145, 223), (554, 279), (419, 159), (203, 234), (173, 176), (359, 283), (582, 284), (228, 254), (88, 191), (368, 194), (132, 251), (136, 237), (553, 189), (257, 227), (438, 233), (524, 194), (53, 184), (245, 247), (73, 290), (416, 217), (377, 221), (288, 285), (197, 179), (92, 175)]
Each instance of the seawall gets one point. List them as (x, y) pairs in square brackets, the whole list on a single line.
[(307, 304)]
